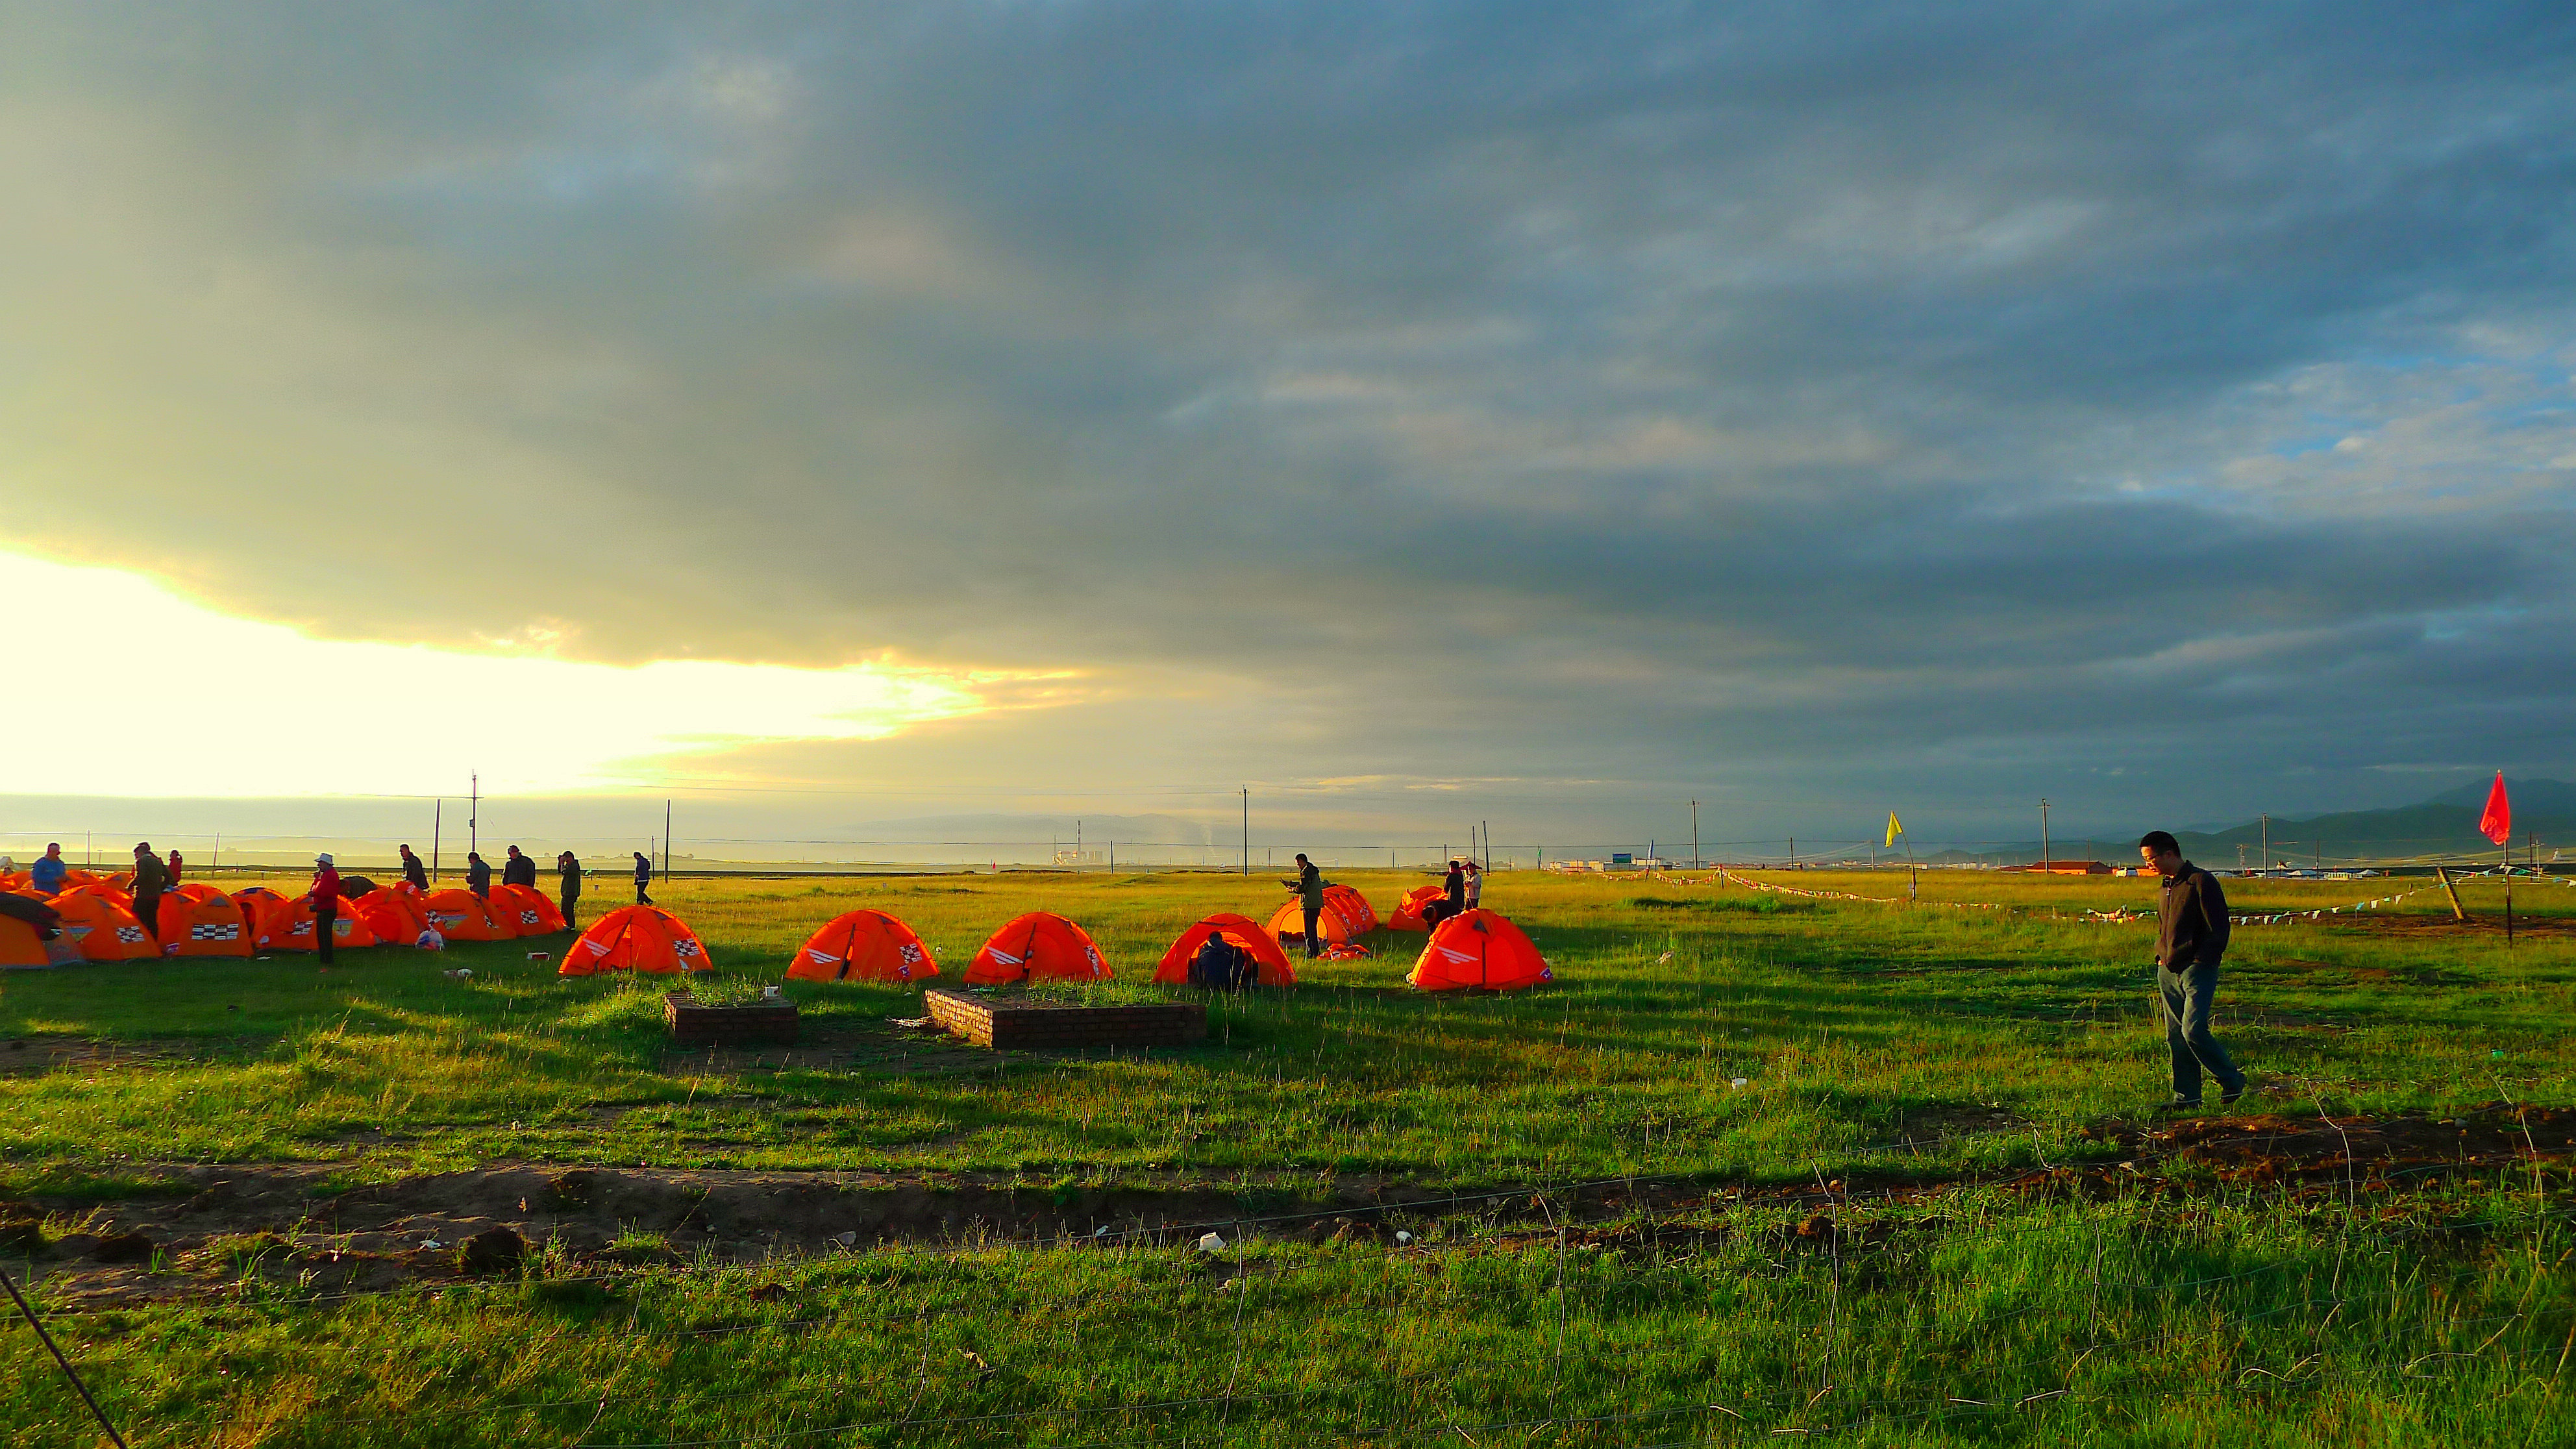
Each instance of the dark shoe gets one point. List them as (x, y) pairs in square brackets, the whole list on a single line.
[(2228, 1097), (2183, 1104)]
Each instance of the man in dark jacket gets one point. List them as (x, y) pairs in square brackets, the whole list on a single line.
[(643, 878), (414, 871), (478, 875), (519, 869), (1453, 897), (568, 894), (151, 878), (1309, 886), (2191, 936)]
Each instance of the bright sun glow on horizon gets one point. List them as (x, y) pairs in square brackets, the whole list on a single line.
[(179, 700)]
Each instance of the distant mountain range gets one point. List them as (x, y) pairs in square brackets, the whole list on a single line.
[(2442, 827)]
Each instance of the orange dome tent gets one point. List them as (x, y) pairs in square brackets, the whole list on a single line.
[(1479, 951), (1345, 918), (289, 926), (1274, 969), (20, 945), (1034, 945), (105, 930), (1408, 914), (256, 902), (525, 910), (204, 924), (635, 938), (863, 946), (461, 915), (392, 913)]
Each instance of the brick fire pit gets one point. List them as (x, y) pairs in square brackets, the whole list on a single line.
[(1019, 1024)]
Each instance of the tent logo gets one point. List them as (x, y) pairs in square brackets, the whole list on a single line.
[(527, 918), (684, 948), (77, 933), (214, 933), (130, 935), (1006, 958)]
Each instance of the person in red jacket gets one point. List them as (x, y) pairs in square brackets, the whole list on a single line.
[(175, 864), (326, 905)]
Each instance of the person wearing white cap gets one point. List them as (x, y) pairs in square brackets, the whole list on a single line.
[(326, 905)]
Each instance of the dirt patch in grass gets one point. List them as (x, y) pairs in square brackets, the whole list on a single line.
[(29, 1056), (216, 1229)]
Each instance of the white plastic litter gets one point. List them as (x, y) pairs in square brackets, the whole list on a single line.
[(1403, 1237), (1741, 1083), (541, 955), (1101, 1231), (1211, 1243), (460, 973)]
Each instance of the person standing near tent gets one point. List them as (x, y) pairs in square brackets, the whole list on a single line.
[(478, 875), (1309, 886), (151, 878), (2191, 936), (46, 875), (519, 869), (568, 888), (1453, 897), (413, 871), (1475, 875), (326, 905), (643, 878), (175, 867)]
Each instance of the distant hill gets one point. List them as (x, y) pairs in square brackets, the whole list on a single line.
[(2444, 826)]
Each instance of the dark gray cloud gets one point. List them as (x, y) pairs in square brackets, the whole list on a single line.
[(1805, 403)]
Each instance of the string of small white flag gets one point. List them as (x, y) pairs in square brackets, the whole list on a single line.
[(2110, 917)]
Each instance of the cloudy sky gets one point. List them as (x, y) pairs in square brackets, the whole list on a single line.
[(1416, 412)]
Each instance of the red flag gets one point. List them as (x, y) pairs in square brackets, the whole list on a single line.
[(2497, 823)]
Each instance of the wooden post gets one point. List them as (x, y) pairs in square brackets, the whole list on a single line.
[(2444, 875)]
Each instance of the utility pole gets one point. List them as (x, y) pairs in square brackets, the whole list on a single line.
[(473, 812), (1488, 827), (2044, 861), (1247, 830), (437, 818), (666, 838), (1077, 843), (1694, 835), (2267, 842)]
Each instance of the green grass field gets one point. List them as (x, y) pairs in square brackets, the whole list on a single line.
[(1883, 1171)]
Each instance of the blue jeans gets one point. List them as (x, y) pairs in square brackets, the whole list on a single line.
[(2182, 1000)]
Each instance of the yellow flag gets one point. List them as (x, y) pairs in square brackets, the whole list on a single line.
[(1895, 828)]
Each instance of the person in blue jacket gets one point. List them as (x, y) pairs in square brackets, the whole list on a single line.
[(46, 875)]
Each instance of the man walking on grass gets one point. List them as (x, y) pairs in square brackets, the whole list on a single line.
[(2191, 936)]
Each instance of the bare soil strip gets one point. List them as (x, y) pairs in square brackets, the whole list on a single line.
[(212, 1229)]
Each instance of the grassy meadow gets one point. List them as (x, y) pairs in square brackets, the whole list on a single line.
[(1863, 1115)]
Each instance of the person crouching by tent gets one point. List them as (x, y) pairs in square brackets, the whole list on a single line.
[(1222, 965), (519, 869), (151, 878), (46, 875), (568, 889), (643, 878), (326, 905), (478, 875), (414, 872), (1309, 886)]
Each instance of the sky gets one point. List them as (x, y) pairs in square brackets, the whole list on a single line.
[(1414, 414)]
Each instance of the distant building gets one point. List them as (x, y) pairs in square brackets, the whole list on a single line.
[(2065, 867)]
